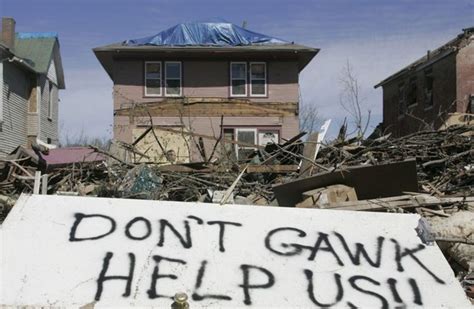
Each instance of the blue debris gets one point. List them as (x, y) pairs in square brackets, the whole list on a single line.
[(206, 34)]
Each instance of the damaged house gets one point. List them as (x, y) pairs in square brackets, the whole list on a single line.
[(196, 83), (436, 89), (31, 76)]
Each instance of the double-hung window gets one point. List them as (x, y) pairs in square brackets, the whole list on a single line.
[(238, 79), (153, 78), (258, 79), (173, 79)]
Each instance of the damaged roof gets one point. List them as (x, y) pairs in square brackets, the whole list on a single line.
[(433, 56), (205, 34), (206, 39)]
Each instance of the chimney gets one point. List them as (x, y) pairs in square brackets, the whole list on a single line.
[(8, 32)]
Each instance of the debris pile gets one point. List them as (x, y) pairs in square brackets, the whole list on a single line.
[(430, 173)]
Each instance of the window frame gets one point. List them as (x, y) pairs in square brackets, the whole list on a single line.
[(236, 136), (180, 79), (145, 79), (428, 101), (232, 79), (265, 79), (402, 104), (412, 88)]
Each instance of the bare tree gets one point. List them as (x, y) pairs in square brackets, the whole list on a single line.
[(309, 117), (351, 100)]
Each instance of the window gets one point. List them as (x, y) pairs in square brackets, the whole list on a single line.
[(173, 79), (428, 88), (266, 137), (50, 100), (247, 136), (153, 79), (412, 92), (258, 79), (238, 79), (401, 99)]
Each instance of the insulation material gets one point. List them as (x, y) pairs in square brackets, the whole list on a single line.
[(174, 146), (459, 225), (71, 251)]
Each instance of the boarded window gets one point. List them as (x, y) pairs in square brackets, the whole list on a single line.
[(238, 77), (173, 78), (153, 78), (258, 79)]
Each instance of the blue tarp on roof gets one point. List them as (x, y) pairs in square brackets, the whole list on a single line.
[(206, 34), (36, 35)]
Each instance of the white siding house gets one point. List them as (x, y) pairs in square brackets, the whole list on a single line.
[(31, 76)]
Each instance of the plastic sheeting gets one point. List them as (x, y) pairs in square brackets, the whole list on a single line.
[(206, 34)]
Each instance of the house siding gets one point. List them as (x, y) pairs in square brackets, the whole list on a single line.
[(15, 95), (465, 76), (48, 127), (204, 79), (420, 115)]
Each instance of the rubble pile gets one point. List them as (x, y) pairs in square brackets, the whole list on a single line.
[(430, 173), (444, 158)]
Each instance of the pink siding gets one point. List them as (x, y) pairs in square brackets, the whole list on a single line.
[(288, 126), (203, 79)]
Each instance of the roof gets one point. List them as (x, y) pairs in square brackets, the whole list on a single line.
[(204, 40), (37, 50), (433, 56), (70, 155), (205, 34)]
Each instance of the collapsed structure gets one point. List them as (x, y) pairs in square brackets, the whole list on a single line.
[(211, 79), (433, 90)]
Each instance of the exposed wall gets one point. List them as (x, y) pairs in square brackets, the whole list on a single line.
[(419, 115), (13, 132), (203, 79), (465, 76), (288, 127)]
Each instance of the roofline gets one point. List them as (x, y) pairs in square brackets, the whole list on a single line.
[(438, 54), (105, 54), (201, 48), (414, 67)]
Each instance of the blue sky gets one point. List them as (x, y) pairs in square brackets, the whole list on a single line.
[(378, 37)]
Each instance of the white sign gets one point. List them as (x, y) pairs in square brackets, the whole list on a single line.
[(73, 251)]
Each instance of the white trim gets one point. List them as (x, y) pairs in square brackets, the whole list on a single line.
[(231, 79), (236, 137), (264, 79), (161, 79), (1, 92), (180, 79)]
